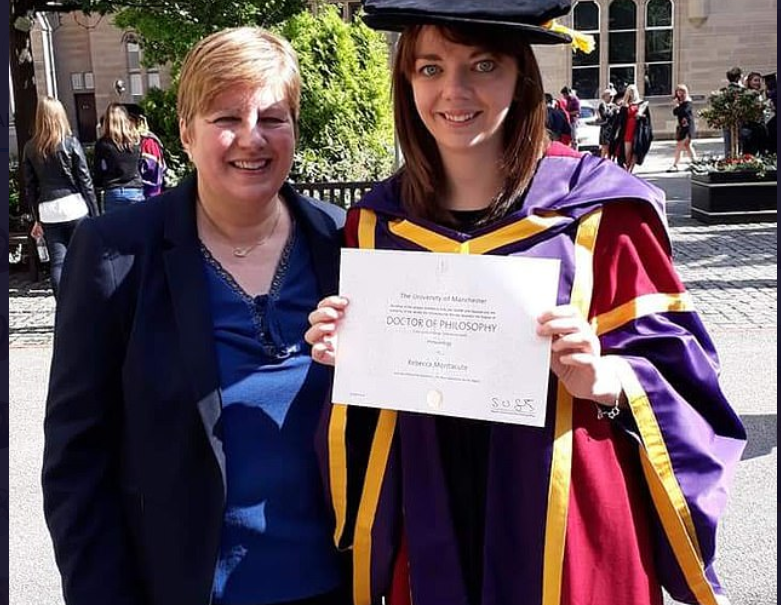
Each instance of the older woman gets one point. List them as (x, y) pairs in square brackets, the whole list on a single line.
[(179, 464)]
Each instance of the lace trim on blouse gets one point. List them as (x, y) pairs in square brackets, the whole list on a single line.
[(258, 305)]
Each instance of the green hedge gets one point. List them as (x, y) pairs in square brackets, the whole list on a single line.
[(346, 128), (346, 122)]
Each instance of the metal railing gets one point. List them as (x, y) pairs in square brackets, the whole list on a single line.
[(343, 194)]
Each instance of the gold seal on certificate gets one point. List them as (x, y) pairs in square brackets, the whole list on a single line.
[(451, 334)]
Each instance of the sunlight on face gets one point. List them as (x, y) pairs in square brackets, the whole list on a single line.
[(242, 145), (462, 93)]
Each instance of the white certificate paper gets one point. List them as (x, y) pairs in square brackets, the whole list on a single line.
[(450, 334)]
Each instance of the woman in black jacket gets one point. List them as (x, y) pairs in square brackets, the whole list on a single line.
[(117, 156), (57, 182)]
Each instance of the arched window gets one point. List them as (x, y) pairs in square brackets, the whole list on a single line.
[(659, 47), (585, 67), (622, 43)]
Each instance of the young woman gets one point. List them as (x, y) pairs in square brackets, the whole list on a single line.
[(607, 502), (683, 110), (117, 157), (607, 112), (58, 184), (632, 134), (754, 135)]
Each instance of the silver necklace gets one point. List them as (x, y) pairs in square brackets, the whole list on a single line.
[(244, 251)]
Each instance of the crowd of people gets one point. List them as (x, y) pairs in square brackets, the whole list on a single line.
[(624, 119), (625, 129), (60, 185), (192, 450)]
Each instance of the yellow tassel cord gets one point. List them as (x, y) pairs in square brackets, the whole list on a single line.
[(583, 42)]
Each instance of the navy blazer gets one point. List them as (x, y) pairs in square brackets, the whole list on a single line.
[(134, 468)]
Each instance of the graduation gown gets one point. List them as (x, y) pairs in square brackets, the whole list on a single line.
[(584, 510)]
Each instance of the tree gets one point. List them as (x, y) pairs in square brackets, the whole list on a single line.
[(176, 24), (731, 107), (22, 71), (346, 130), (173, 27), (20, 58)]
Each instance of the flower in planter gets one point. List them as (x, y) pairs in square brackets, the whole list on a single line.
[(756, 164)]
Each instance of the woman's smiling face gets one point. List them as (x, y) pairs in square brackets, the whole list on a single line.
[(242, 145), (462, 93)]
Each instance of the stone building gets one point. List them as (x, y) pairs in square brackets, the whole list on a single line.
[(656, 44), (87, 63)]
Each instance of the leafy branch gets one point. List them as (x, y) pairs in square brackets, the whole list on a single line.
[(732, 106)]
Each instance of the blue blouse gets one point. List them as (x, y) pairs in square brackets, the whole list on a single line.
[(277, 535)]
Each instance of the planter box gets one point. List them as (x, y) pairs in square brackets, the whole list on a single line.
[(733, 197)]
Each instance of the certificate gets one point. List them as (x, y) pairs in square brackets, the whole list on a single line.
[(450, 334)]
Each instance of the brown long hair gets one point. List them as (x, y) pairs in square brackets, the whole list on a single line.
[(51, 126), (525, 137)]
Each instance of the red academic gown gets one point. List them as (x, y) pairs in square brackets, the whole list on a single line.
[(585, 510)]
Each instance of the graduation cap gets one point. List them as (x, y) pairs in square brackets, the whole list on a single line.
[(532, 19), (133, 110)]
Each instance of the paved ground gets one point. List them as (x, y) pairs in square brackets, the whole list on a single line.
[(731, 272)]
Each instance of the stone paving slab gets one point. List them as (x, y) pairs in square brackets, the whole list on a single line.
[(30, 311)]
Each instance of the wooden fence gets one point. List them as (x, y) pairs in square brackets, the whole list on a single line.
[(343, 194)]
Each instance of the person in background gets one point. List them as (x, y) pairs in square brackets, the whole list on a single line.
[(632, 137), (734, 77), (571, 104), (58, 185), (753, 135), (770, 122), (152, 166), (685, 131), (117, 157), (179, 465), (754, 81), (607, 111), (606, 503), (734, 80), (618, 101), (557, 122)]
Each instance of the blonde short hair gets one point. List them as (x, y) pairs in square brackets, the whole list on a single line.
[(247, 56)]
